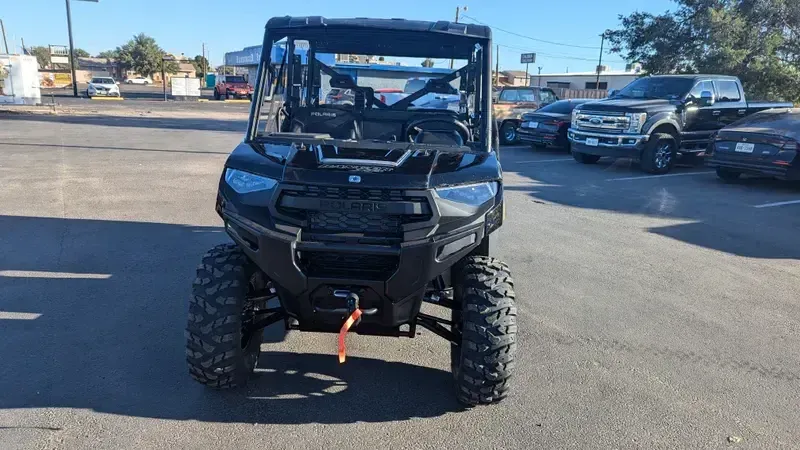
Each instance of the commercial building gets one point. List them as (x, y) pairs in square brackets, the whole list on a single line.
[(609, 79)]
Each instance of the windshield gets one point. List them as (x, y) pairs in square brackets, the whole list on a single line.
[(354, 96), (102, 81), (560, 107), (667, 88)]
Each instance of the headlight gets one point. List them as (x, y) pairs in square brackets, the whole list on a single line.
[(470, 194), (637, 120), (575, 113), (245, 182)]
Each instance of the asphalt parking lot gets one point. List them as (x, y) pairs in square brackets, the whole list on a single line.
[(654, 311)]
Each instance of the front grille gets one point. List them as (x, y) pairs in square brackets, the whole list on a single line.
[(332, 221), (610, 122), (369, 223), (348, 265), (350, 193)]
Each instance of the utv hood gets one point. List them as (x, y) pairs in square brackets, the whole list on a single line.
[(366, 164)]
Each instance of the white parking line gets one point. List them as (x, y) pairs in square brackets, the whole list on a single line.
[(7, 315), (40, 274), (770, 205), (532, 161), (645, 177)]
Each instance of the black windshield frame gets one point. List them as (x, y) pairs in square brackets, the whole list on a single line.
[(465, 45)]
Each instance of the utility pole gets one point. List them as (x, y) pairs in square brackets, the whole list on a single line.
[(5, 42), (458, 10), (600, 62), (203, 78), (540, 76), (23, 45), (497, 67), (71, 53)]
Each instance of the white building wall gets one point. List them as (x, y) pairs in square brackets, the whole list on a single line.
[(19, 77), (579, 81)]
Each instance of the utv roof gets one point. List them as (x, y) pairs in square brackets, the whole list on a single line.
[(391, 37)]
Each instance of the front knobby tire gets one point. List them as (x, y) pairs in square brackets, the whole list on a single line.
[(219, 352), (486, 318)]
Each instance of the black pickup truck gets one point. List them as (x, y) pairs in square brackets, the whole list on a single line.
[(655, 118)]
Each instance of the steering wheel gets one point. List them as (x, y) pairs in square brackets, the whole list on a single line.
[(416, 127)]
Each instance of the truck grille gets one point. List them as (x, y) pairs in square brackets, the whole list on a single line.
[(608, 122), (344, 265)]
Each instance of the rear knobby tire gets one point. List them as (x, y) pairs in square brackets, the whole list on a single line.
[(487, 323), (217, 352)]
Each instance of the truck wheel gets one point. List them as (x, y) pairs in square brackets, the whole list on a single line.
[(585, 158), (219, 352), (660, 154), (508, 133), (727, 175), (216, 95), (485, 317)]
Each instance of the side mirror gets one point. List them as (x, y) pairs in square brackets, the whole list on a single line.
[(612, 92), (706, 99)]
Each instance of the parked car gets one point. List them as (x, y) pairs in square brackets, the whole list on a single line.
[(765, 143), (548, 126), (139, 80), (656, 118), (389, 96), (102, 86), (515, 101), (340, 96), (235, 86), (418, 83)]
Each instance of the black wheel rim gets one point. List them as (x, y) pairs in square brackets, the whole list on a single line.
[(663, 155), (510, 134)]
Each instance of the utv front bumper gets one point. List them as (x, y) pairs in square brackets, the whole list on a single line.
[(311, 265)]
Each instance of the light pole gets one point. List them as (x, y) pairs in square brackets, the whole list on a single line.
[(72, 48), (458, 11)]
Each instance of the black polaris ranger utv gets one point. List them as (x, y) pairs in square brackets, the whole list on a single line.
[(354, 215)]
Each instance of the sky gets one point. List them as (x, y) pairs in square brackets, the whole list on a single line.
[(182, 26)]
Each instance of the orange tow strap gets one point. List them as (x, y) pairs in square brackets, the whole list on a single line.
[(345, 328)]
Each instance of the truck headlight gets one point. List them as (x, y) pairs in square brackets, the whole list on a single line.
[(246, 182), (575, 113), (636, 122), (470, 194)]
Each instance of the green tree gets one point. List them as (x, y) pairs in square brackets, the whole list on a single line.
[(756, 40), (427, 63), (81, 53), (142, 55), (42, 55), (109, 54), (198, 63)]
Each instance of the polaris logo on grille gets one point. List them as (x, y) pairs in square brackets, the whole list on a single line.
[(344, 205), (354, 179)]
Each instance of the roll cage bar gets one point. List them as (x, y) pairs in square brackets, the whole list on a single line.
[(478, 68)]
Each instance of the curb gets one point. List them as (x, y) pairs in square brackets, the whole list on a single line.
[(107, 98)]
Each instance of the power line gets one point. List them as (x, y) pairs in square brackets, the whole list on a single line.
[(554, 56), (531, 38)]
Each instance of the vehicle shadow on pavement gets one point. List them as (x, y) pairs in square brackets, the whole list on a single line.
[(714, 214), (92, 316), (137, 121)]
